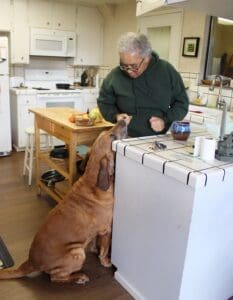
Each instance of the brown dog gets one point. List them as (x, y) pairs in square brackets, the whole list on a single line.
[(85, 213)]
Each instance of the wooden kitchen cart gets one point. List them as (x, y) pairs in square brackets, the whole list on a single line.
[(55, 121)]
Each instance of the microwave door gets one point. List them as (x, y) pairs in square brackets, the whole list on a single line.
[(45, 45)]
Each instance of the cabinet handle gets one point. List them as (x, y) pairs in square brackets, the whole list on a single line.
[(59, 24), (22, 58), (47, 23)]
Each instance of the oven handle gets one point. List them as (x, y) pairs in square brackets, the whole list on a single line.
[(56, 96)]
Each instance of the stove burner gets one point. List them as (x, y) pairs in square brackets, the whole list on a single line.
[(41, 89)]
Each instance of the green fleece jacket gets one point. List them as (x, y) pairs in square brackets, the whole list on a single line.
[(159, 91)]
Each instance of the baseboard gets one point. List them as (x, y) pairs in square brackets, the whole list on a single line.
[(129, 288)]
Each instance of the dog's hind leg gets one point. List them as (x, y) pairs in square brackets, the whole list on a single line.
[(68, 265), (105, 241)]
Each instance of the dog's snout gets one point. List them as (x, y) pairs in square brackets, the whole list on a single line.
[(121, 130)]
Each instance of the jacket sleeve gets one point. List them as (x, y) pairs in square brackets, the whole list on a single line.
[(179, 102), (107, 100)]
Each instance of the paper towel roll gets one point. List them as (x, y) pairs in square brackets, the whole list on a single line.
[(197, 145), (208, 146)]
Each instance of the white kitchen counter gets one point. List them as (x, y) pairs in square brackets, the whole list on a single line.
[(30, 91), (173, 220), (210, 118)]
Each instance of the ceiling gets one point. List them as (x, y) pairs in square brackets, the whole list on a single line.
[(222, 8)]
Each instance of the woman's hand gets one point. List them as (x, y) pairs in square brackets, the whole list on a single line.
[(157, 124)]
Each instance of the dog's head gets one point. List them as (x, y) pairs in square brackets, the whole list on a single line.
[(101, 157)]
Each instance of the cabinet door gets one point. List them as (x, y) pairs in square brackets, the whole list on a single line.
[(26, 118), (20, 34), (63, 15), (40, 13), (5, 15), (90, 36)]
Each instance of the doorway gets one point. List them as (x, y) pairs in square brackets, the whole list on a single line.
[(164, 30), (160, 40)]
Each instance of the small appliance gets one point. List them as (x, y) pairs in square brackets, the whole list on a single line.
[(48, 42)]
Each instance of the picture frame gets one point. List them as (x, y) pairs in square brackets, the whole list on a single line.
[(190, 46)]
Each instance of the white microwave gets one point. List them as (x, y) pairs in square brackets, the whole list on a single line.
[(48, 42)]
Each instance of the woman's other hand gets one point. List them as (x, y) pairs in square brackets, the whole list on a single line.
[(157, 124)]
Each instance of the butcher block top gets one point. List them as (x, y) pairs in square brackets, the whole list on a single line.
[(60, 116), (176, 160)]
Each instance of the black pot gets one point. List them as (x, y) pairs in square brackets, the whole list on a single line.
[(51, 177), (59, 153), (63, 86)]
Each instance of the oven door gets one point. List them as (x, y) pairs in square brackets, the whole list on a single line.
[(60, 100), (73, 100)]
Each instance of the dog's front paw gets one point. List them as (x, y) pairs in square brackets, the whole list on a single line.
[(105, 261)]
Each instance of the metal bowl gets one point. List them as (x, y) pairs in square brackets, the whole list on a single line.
[(51, 177)]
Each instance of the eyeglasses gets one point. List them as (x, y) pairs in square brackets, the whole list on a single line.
[(133, 67)]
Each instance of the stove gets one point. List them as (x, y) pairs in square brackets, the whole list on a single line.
[(42, 79)]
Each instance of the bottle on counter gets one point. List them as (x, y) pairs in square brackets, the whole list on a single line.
[(84, 79)]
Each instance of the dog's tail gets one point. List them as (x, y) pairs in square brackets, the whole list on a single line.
[(24, 269)]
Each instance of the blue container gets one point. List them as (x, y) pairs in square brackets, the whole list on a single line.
[(180, 130)]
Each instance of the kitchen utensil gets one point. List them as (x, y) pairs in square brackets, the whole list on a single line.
[(180, 130), (64, 86), (51, 177), (159, 146)]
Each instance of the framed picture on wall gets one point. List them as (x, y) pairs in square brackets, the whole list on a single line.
[(190, 46)]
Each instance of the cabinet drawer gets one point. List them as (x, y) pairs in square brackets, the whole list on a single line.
[(27, 100)]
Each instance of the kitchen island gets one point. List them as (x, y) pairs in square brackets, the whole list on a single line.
[(173, 221), (55, 121)]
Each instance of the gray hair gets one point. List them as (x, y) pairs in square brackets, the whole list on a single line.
[(134, 43)]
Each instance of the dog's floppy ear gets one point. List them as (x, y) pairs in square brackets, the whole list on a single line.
[(104, 175)]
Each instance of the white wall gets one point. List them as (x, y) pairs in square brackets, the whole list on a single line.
[(118, 19), (194, 25), (122, 18)]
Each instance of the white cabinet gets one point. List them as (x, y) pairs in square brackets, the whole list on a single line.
[(89, 36), (64, 15), (21, 118), (145, 6), (53, 15), (5, 15), (20, 34)]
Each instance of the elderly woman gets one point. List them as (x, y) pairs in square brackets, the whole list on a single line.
[(143, 87)]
